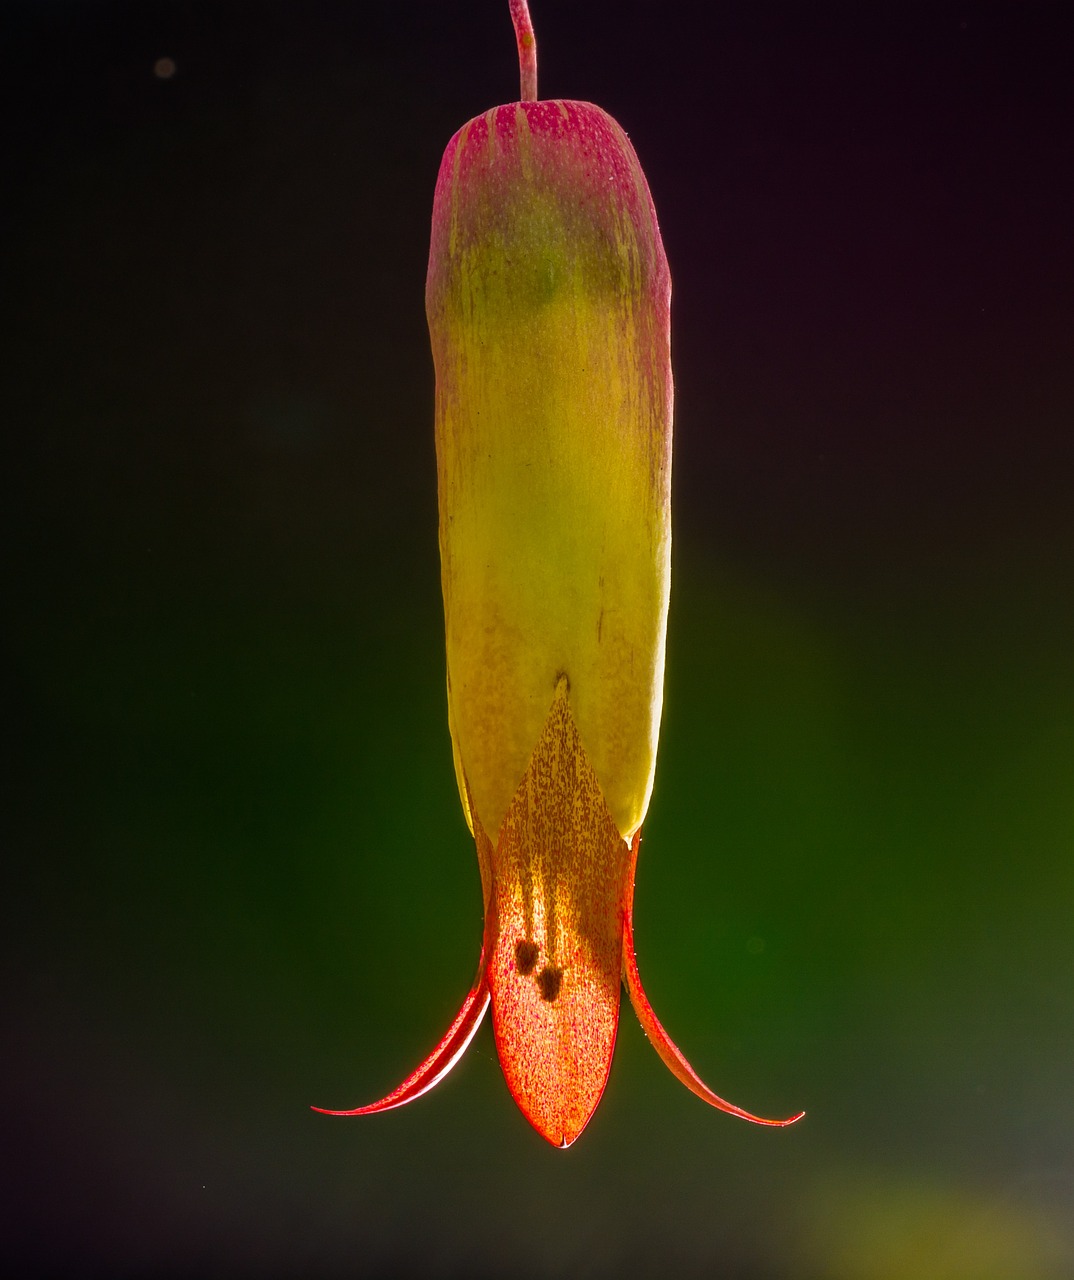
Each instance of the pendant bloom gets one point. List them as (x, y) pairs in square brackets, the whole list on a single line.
[(548, 300)]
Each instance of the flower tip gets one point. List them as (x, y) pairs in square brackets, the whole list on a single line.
[(668, 1050), (748, 1115), (436, 1066), (555, 1137), (548, 1119), (395, 1099)]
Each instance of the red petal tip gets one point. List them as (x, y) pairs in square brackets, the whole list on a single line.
[(436, 1066), (668, 1050)]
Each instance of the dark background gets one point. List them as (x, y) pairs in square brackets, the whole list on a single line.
[(240, 880)]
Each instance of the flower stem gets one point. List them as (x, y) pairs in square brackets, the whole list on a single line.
[(527, 49)]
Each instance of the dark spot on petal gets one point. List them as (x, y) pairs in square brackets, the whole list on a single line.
[(526, 956), (550, 980)]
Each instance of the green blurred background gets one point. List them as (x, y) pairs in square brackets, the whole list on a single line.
[(240, 880)]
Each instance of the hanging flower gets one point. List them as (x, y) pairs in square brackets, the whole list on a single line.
[(548, 299)]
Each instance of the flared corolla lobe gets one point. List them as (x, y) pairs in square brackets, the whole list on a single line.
[(548, 299), (561, 877)]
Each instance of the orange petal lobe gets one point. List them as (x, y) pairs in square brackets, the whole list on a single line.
[(559, 872), (443, 1057), (663, 1043)]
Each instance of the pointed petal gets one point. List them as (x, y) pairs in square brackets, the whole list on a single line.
[(443, 1057), (663, 1043), (559, 871)]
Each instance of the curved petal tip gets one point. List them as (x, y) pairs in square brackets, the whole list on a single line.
[(668, 1050), (436, 1066)]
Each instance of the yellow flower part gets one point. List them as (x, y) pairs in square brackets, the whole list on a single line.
[(548, 300)]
